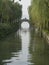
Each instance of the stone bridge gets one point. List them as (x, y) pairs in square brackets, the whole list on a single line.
[(23, 20)]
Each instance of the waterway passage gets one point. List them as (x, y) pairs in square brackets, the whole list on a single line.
[(24, 48)]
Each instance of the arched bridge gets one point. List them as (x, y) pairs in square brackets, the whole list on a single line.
[(24, 20)]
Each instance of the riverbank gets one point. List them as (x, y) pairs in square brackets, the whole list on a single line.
[(39, 16), (6, 29), (10, 15), (45, 35)]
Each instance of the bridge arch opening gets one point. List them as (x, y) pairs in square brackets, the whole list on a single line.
[(25, 25)]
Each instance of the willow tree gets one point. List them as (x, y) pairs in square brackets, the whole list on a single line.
[(39, 13), (9, 11), (0, 9)]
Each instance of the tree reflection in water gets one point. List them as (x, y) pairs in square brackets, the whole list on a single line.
[(39, 50), (9, 47)]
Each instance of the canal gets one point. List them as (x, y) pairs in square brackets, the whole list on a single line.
[(24, 48)]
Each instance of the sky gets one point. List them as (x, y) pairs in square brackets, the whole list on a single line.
[(25, 5)]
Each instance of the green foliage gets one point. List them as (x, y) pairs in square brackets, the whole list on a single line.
[(10, 13), (6, 29), (39, 13)]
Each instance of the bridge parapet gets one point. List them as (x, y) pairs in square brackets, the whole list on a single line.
[(23, 20), (26, 20)]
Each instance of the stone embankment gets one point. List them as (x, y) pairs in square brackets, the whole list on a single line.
[(45, 36)]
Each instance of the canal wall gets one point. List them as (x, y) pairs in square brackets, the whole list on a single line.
[(45, 36)]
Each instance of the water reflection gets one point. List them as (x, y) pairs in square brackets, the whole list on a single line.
[(25, 40), (9, 49), (39, 50), (14, 50), (25, 37), (24, 48), (25, 25)]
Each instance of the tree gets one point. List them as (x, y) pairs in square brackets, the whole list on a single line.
[(10, 11), (39, 13)]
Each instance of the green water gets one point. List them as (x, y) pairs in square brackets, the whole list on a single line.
[(24, 48)]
